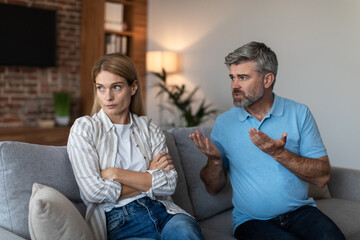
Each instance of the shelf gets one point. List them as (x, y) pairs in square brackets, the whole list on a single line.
[(125, 2), (122, 33), (56, 136), (93, 41)]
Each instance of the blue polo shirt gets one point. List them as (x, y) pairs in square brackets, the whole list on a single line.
[(262, 187)]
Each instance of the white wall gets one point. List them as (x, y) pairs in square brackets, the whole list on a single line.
[(317, 43)]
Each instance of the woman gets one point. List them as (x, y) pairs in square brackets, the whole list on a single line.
[(121, 163)]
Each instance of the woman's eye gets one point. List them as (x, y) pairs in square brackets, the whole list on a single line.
[(117, 87), (100, 88)]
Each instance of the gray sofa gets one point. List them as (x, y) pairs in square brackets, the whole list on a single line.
[(22, 164)]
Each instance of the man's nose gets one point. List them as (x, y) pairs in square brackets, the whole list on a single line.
[(235, 83)]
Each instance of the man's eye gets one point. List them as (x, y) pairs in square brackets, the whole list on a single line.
[(243, 78), (232, 78)]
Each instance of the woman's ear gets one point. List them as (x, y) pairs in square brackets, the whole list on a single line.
[(134, 87), (269, 80)]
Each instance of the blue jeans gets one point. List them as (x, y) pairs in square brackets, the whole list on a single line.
[(148, 219), (304, 223)]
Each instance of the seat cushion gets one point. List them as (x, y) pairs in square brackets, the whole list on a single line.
[(21, 165), (218, 225), (204, 204), (344, 213)]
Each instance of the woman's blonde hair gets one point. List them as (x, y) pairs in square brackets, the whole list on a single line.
[(122, 66)]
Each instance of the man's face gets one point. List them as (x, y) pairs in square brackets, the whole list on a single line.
[(247, 84)]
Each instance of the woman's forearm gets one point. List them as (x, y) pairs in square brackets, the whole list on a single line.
[(128, 192), (141, 181)]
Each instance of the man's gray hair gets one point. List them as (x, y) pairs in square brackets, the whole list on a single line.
[(264, 58)]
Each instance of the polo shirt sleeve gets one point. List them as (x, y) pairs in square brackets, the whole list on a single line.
[(216, 139), (311, 144)]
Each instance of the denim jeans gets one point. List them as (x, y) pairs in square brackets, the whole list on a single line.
[(148, 219), (304, 223)]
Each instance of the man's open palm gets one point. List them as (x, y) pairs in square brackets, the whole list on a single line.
[(205, 145), (267, 144)]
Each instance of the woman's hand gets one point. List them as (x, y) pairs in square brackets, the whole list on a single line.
[(108, 173), (162, 161)]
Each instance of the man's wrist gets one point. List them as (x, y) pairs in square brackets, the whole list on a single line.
[(215, 161), (278, 154)]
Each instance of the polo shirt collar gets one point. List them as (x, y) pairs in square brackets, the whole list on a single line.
[(277, 109)]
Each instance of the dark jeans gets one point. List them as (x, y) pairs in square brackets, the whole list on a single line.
[(148, 219), (304, 223)]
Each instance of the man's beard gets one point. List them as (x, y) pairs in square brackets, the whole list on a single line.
[(247, 100)]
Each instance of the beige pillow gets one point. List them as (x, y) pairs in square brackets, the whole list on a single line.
[(53, 216), (317, 192)]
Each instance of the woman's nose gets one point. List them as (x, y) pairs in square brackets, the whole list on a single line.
[(109, 95)]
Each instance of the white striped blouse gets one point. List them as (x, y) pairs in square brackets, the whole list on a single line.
[(92, 147)]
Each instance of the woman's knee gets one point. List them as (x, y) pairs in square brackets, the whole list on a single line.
[(182, 226)]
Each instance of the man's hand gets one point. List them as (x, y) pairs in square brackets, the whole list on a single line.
[(162, 161), (213, 173), (266, 144), (205, 146)]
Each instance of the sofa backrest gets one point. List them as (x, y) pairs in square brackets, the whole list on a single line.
[(181, 196), (21, 165), (192, 161)]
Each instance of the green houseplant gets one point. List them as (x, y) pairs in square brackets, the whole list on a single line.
[(62, 108), (183, 100)]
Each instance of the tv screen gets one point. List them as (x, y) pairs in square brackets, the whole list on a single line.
[(27, 36)]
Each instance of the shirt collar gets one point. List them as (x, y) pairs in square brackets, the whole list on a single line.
[(277, 109), (108, 125)]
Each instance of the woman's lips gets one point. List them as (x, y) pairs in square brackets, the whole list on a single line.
[(111, 106)]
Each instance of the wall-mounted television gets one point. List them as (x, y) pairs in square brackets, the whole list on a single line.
[(27, 36)]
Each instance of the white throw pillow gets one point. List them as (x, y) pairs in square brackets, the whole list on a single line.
[(53, 216)]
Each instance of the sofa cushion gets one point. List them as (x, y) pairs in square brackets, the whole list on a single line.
[(344, 213), (53, 216), (21, 165), (210, 234), (221, 223), (181, 196), (204, 204)]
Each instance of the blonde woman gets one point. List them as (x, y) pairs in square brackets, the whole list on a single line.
[(121, 164)]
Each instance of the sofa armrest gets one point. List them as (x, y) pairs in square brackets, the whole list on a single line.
[(344, 183), (7, 235)]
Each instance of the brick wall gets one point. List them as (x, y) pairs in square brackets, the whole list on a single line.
[(26, 93)]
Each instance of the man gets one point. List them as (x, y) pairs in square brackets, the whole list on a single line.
[(272, 148)]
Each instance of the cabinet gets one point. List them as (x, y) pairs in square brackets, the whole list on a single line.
[(93, 35)]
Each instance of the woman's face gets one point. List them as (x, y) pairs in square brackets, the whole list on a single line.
[(114, 96)]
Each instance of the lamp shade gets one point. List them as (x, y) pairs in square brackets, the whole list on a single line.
[(158, 60)]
